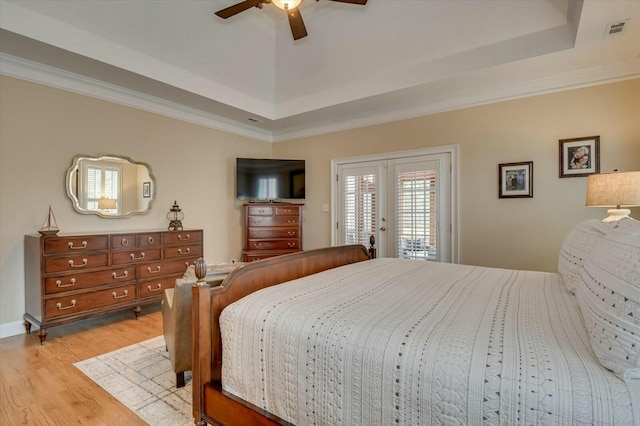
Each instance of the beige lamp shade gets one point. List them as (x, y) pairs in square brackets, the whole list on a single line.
[(618, 189), (106, 204)]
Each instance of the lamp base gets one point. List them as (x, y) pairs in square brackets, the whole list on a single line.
[(617, 214)]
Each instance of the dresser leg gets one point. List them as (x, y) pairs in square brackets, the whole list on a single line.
[(42, 335), (137, 311), (27, 326)]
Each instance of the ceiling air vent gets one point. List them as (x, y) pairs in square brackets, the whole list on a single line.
[(615, 28)]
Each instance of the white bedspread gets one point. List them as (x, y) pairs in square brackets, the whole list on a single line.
[(393, 341)]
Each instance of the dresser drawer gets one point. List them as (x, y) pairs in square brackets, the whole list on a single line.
[(155, 288), (181, 237), (260, 233), (61, 245), (67, 305), (273, 221), (89, 279), (260, 211), (164, 268), (292, 244), (183, 251), (288, 211), (75, 263), (131, 256)]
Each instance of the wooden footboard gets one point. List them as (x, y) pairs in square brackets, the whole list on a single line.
[(210, 403)]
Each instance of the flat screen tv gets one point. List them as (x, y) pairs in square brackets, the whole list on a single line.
[(261, 179)]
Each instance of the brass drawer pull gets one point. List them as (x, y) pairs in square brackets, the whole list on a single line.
[(124, 242), (84, 263), (155, 289), (291, 233), (258, 245), (291, 245), (116, 277), (291, 221), (186, 252), (124, 294), (83, 246), (288, 210), (72, 282), (133, 256), (150, 240), (60, 308), (187, 237), (153, 272)]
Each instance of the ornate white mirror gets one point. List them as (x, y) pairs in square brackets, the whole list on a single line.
[(110, 186)]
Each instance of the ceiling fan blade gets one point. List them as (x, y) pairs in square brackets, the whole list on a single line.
[(352, 1), (296, 23), (237, 8)]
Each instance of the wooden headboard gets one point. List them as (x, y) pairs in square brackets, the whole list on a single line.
[(210, 403)]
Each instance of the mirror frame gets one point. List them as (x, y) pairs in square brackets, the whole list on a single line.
[(75, 202)]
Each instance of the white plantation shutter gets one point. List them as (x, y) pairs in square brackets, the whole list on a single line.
[(416, 214), (360, 203), (360, 208), (102, 182)]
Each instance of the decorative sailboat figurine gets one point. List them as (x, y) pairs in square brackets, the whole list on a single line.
[(49, 227)]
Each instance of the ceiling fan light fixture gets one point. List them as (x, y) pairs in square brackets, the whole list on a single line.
[(286, 4)]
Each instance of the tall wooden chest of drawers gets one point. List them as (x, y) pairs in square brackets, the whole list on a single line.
[(272, 229), (72, 277)]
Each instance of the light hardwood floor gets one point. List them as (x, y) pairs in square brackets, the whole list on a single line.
[(40, 386)]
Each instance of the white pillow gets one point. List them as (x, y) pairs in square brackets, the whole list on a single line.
[(576, 247), (609, 297)]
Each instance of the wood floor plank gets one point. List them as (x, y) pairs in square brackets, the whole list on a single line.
[(39, 385)]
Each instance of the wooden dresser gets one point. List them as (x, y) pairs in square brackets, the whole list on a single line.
[(72, 277), (272, 229)]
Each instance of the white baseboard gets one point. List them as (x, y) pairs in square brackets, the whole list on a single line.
[(14, 328)]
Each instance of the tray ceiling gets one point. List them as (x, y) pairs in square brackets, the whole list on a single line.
[(360, 65)]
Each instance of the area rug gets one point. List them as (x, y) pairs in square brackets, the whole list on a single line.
[(140, 376)]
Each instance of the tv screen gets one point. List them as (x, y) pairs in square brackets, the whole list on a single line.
[(269, 179)]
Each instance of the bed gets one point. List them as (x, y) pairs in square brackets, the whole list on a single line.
[(331, 336)]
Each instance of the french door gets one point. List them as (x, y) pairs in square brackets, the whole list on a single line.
[(404, 201)]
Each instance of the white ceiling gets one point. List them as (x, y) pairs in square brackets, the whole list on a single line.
[(360, 65)]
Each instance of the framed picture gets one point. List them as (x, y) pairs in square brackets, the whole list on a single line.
[(579, 156), (515, 180), (146, 189)]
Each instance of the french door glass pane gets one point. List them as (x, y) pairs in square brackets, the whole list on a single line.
[(359, 208), (416, 214)]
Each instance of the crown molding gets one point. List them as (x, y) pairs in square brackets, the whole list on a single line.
[(35, 72)]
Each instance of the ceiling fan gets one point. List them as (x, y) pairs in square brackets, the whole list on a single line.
[(298, 30)]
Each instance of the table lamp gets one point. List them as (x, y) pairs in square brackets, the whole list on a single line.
[(617, 189)]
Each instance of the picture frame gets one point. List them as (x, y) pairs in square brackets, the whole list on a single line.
[(579, 156), (515, 180), (146, 189)]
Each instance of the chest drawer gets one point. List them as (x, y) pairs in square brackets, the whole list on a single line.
[(164, 268), (260, 233), (75, 263), (67, 305), (260, 210), (129, 256), (89, 279), (287, 211), (274, 245), (62, 245), (181, 237), (273, 221), (182, 251), (132, 241)]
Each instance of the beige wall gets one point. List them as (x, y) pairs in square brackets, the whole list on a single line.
[(42, 128), (510, 233)]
